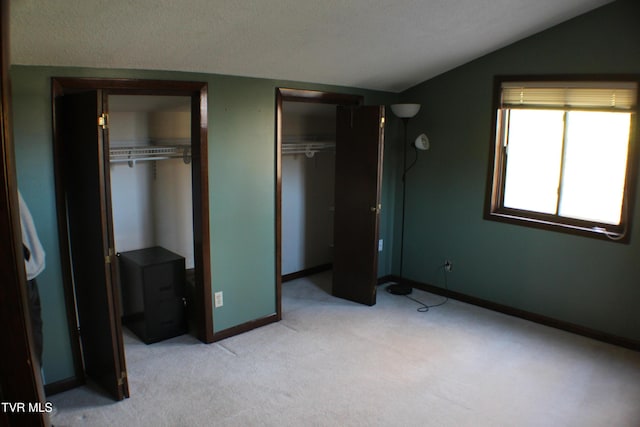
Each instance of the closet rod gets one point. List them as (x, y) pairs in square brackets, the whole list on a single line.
[(144, 159), (309, 149)]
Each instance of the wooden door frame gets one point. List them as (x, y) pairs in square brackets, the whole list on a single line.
[(307, 96), (198, 92), (20, 379)]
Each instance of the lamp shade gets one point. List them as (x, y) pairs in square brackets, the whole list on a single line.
[(405, 111)]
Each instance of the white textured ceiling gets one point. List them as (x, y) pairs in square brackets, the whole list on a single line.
[(376, 44)]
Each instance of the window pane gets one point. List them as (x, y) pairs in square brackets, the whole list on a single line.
[(595, 166), (533, 160)]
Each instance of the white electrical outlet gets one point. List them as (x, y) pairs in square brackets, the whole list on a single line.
[(218, 299), (380, 245)]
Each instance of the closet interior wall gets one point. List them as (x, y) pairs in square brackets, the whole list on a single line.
[(151, 199), (308, 176)]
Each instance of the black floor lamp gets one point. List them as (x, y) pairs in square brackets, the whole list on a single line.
[(405, 112)]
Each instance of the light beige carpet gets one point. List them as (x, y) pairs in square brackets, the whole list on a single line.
[(330, 362)]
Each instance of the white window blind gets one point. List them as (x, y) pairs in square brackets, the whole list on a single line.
[(598, 95)]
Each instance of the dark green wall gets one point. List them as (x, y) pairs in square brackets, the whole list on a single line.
[(241, 183), (585, 281)]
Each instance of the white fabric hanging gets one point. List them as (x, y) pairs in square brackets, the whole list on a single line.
[(35, 265)]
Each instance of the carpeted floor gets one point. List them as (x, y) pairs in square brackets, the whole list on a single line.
[(330, 362)]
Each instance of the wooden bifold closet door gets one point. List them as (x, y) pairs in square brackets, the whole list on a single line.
[(87, 194)]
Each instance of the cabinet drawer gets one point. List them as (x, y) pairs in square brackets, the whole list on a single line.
[(164, 282), (165, 320)]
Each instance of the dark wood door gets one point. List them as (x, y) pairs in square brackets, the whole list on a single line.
[(20, 379), (358, 178), (86, 186)]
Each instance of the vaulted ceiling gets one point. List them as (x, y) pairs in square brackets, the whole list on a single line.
[(386, 45)]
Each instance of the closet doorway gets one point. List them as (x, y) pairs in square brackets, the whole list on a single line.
[(329, 176), (308, 177), (131, 172)]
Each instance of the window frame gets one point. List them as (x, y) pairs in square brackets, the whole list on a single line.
[(494, 200)]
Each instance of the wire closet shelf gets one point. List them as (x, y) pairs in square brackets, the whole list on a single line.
[(131, 155), (308, 146)]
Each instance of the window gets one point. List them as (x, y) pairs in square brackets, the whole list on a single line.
[(563, 155)]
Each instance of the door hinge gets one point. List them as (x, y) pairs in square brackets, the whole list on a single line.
[(103, 120), (381, 122), (376, 209), (122, 378), (109, 256)]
